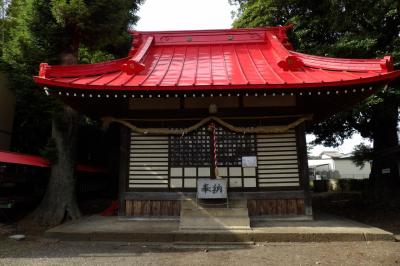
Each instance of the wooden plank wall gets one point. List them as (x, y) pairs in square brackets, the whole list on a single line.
[(277, 160), (278, 207), (153, 208), (148, 162)]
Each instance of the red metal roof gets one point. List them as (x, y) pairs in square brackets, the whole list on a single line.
[(24, 159), (38, 161), (217, 59)]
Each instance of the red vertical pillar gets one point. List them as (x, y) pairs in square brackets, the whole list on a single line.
[(214, 161)]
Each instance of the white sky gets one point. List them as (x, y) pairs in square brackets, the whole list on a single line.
[(347, 146), (158, 15), (184, 15)]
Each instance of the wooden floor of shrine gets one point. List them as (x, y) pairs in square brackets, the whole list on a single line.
[(322, 229)]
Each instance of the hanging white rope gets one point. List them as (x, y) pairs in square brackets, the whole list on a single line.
[(244, 130)]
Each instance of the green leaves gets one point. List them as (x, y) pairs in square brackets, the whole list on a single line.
[(90, 57), (69, 12), (355, 46), (43, 31), (345, 28), (362, 154)]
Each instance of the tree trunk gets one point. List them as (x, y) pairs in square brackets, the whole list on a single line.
[(384, 182), (59, 202)]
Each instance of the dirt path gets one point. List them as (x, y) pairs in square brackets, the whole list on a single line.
[(40, 251)]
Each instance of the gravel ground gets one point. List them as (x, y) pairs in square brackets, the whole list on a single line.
[(41, 251)]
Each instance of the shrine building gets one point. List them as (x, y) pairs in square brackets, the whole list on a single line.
[(215, 114)]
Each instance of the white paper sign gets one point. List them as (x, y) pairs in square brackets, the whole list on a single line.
[(249, 161), (208, 188), (386, 171)]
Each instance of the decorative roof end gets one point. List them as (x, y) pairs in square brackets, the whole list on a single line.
[(43, 68), (282, 36), (136, 42), (291, 62), (387, 63), (137, 54), (132, 67)]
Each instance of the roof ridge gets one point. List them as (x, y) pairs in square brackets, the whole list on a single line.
[(274, 28), (219, 36)]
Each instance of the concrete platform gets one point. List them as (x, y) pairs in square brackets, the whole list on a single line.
[(322, 229), (195, 216)]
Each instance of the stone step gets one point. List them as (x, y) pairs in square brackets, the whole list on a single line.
[(217, 212), (214, 223), (214, 215)]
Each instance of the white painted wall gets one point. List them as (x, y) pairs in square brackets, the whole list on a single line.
[(347, 169), (340, 168), (316, 162)]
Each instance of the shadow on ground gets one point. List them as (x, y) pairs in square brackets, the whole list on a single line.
[(353, 206)]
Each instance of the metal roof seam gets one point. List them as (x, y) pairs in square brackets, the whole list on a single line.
[(117, 76), (183, 65), (75, 79), (128, 80), (197, 65), (154, 67), (351, 74), (327, 73), (225, 65), (211, 66), (254, 65), (96, 79), (269, 66), (167, 69), (311, 77), (240, 65)]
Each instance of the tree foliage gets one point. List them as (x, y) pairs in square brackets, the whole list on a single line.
[(339, 28), (43, 31), (3, 23), (362, 154), (59, 32), (345, 28)]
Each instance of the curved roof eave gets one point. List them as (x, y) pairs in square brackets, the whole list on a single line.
[(386, 78), (243, 59)]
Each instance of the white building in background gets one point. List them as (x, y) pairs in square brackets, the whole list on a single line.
[(336, 165)]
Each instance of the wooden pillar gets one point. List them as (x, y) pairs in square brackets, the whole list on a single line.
[(303, 166), (123, 168)]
